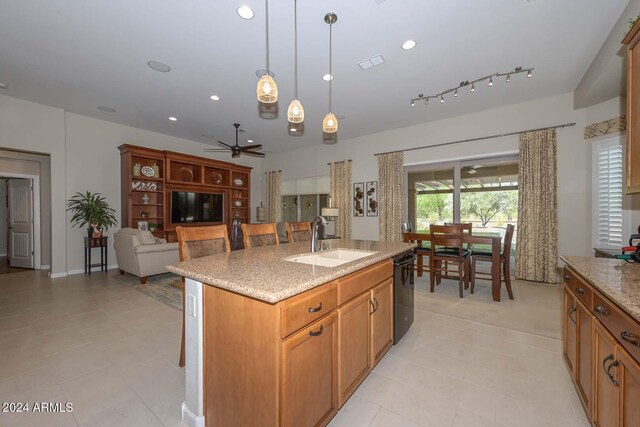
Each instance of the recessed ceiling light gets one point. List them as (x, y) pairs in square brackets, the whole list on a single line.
[(106, 109), (261, 72), (214, 98), (173, 119), (159, 66), (3, 86), (249, 140), (327, 77), (409, 44), (245, 12)]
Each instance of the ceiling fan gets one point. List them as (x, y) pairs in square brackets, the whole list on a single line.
[(237, 150)]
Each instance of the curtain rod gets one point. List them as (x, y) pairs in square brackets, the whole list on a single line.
[(341, 161), (477, 139), (274, 171)]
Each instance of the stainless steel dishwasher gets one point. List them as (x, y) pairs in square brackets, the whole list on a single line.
[(403, 304)]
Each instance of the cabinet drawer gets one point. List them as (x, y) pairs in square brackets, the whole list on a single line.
[(621, 326), (308, 307), (354, 284), (579, 288)]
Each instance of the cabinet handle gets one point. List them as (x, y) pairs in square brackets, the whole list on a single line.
[(580, 290), (604, 362), (315, 334), (631, 338), (373, 307), (600, 309), (315, 309), (567, 277), (613, 364), (377, 303), (572, 309)]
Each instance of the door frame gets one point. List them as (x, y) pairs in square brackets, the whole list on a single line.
[(35, 180)]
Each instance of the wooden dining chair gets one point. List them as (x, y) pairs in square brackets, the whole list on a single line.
[(298, 231), (256, 235), (198, 242), (467, 227), (485, 255), (422, 250), (447, 246)]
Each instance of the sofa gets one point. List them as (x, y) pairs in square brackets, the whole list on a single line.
[(140, 253)]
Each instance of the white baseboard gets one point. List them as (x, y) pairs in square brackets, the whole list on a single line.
[(191, 419), (94, 269), (45, 267), (58, 275)]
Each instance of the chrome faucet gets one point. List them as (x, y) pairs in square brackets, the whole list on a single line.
[(314, 231)]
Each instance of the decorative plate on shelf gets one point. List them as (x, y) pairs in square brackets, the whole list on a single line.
[(216, 178), (148, 171), (239, 182), (237, 203), (185, 174)]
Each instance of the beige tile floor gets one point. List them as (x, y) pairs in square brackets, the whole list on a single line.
[(112, 352)]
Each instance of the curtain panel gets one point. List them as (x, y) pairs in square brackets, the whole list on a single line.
[(340, 182), (274, 213), (390, 205), (537, 241)]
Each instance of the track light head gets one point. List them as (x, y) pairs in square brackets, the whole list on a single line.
[(413, 104), (529, 73), (490, 82), (473, 87), (508, 79), (455, 93), (441, 99)]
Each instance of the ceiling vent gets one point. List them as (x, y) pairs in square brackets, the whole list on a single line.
[(371, 62)]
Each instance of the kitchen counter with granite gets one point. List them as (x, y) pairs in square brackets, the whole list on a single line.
[(264, 273), (616, 279)]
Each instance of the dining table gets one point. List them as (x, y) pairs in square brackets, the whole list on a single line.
[(490, 240)]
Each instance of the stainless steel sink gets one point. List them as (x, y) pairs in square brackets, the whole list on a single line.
[(332, 258)]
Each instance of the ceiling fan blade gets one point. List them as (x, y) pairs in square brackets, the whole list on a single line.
[(253, 153), (225, 144), (252, 147)]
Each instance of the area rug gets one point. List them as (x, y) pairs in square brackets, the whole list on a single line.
[(162, 287)]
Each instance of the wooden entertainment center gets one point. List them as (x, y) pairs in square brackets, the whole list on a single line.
[(148, 177)]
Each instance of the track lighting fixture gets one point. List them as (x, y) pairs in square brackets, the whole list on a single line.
[(472, 84), (413, 104)]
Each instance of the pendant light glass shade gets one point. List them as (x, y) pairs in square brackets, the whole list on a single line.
[(295, 113), (267, 90), (330, 123)]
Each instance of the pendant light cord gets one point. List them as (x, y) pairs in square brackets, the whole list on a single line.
[(330, 64), (266, 8), (295, 43)]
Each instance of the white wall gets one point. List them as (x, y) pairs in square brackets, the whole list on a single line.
[(3, 217), (84, 156), (574, 156)]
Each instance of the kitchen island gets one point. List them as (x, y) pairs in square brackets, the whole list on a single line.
[(601, 337), (274, 337)]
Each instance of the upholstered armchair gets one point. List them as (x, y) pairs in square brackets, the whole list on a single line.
[(142, 254)]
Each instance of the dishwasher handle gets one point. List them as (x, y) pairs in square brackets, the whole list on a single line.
[(405, 260)]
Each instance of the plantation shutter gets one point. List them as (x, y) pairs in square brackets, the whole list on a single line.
[(609, 193)]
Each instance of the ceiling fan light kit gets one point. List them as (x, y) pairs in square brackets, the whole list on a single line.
[(472, 84), (267, 90), (330, 122)]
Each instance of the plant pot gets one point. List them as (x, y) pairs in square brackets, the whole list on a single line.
[(96, 232)]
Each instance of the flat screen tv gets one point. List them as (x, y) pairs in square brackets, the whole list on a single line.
[(188, 207)]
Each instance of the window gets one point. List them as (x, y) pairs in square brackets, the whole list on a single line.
[(608, 218)]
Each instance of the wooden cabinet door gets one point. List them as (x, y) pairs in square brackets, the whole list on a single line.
[(381, 320), (629, 388), (570, 330), (584, 366), (605, 398), (633, 104), (354, 331), (309, 374)]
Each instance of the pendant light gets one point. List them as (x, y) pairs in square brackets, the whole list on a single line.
[(267, 90), (295, 113), (330, 123)]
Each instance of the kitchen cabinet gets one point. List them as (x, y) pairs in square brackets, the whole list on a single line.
[(617, 383), (309, 386), (633, 105), (577, 321), (295, 362)]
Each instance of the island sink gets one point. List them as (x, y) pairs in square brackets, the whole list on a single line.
[(333, 258)]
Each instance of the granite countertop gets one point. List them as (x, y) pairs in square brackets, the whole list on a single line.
[(263, 273), (616, 279)]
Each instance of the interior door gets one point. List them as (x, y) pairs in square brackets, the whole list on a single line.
[(20, 192)]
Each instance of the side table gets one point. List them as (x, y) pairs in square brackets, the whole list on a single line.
[(95, 242)]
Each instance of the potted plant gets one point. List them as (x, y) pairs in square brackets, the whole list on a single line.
[(91, 210)]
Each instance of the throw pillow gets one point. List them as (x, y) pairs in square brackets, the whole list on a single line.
[(147, 238)]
